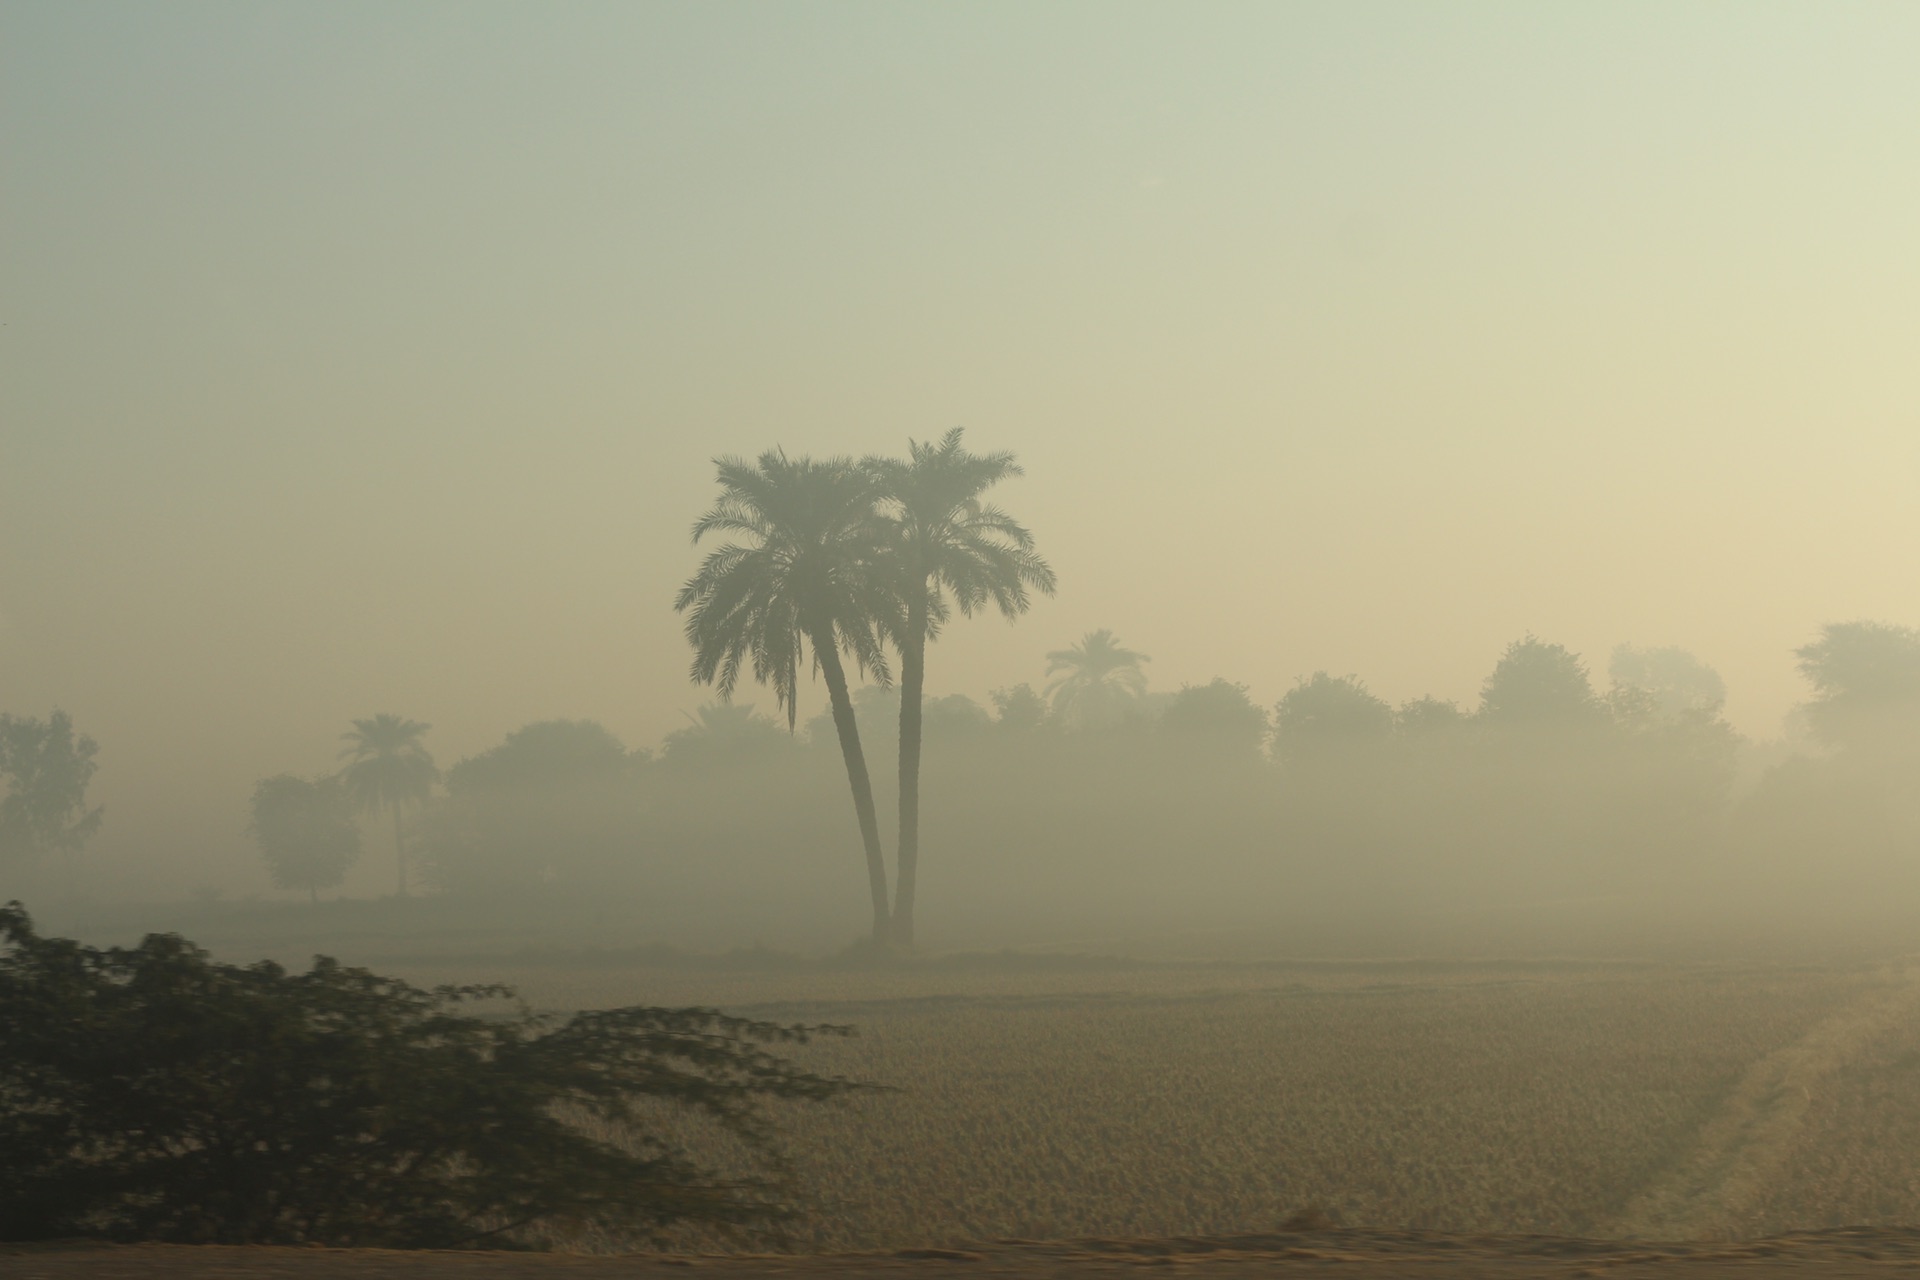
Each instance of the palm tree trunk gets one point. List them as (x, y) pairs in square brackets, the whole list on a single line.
[(399, 849), (913, 671), (849, 730)]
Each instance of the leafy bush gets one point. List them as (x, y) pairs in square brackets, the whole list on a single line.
[(152, 1093)]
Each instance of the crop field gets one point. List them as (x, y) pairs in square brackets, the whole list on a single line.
[(1665, 1103)]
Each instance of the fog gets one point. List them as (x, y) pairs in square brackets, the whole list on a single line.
[(1495, 423)]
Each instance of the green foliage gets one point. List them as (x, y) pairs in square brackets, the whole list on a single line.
[(151, 1093), (46, 768), (305, 831)]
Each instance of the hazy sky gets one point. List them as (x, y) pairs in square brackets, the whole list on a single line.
[(370, 357)]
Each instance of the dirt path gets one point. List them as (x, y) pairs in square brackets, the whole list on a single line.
[(1708, 1194)]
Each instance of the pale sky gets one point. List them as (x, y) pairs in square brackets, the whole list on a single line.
[(370, 357)]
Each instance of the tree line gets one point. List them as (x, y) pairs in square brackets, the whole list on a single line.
[(1546, 786)]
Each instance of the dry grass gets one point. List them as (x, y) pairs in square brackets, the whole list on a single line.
[(1857, 1160), (1172, 1101)]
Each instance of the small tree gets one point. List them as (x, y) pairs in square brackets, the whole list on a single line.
[(149, 1093), (46, 769), (305, 831)]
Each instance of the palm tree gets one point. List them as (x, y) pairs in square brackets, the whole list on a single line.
[(804, 576), (1094, 677), (387, 768), (944, 544)]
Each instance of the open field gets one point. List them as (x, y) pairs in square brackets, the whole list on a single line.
[(1068, 1101), (1074, 1116)]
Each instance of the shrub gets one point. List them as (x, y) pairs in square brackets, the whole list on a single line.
[(152, 1093)]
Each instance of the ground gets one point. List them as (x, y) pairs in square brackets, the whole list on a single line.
[(1348, 1254), (1476, 1119)]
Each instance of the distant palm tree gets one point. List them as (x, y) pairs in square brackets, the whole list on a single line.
[(943, 542), (1094, 678), (387, 768), (804, 577)]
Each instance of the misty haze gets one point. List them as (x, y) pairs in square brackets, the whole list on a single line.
[(1046, 636)]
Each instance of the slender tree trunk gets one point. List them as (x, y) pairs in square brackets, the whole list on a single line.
[(399, 849), (849, 730), (913, 671)]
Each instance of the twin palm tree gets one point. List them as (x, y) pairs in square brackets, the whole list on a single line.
[(943, 545), (805, 578), (388, 768), (839, 557)]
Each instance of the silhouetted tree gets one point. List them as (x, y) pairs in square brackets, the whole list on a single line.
[(1019, 709), (1326, 717), (947, 549), (1676, 680), (1539, 685), (1420, 718), (955, 716), (305, 831), (805, 578), (1866, 681), (555, 802), (1217, 718), (46, 768), (1094, 679), (150, 1093), (1854, 811), (726, 729), (388, 768)]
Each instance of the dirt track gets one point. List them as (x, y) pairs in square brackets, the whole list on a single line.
[(1859, 1252), (1742, 1148)]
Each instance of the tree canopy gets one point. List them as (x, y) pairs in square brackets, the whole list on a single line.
[(1538, 685), (1095, 679), (46, 767), (1866, 682), (305, 831), (151, 1093)]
